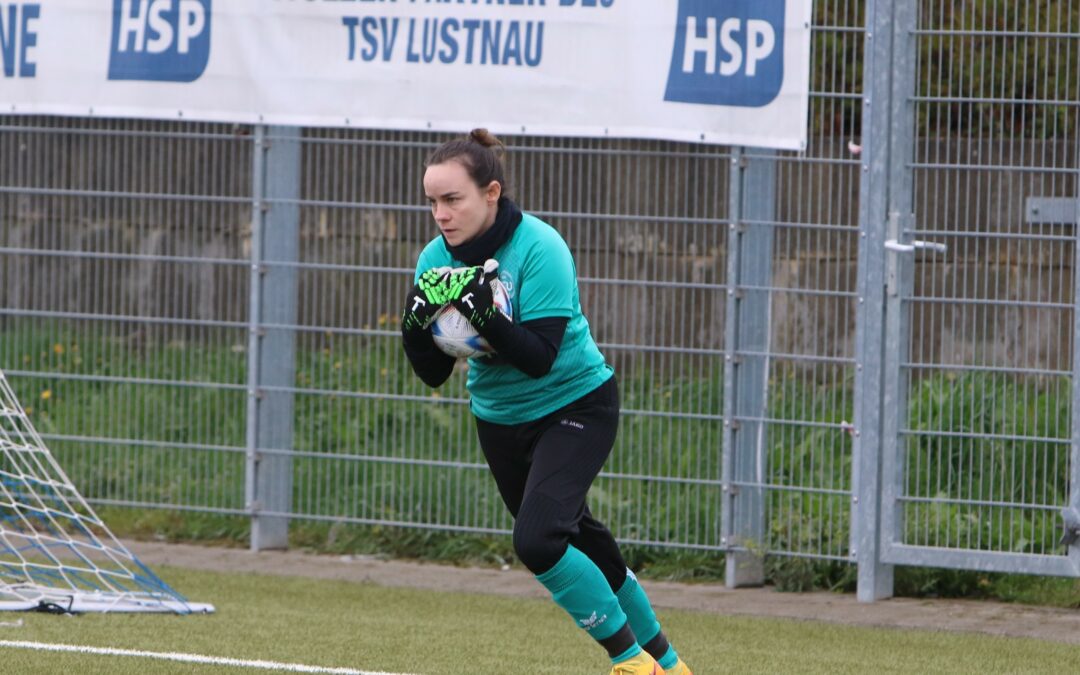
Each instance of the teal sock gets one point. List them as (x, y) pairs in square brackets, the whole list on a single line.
[(638, 609), (630, 653), (642, 617), (579, 587), (669, 659)]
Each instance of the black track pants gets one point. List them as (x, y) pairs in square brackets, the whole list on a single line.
[(544, 469)]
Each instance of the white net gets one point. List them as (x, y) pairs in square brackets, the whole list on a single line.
[(55, 553)]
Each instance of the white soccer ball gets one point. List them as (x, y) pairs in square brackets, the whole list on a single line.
[(455, 336)]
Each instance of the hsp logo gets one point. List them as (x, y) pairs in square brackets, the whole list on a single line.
[(160, 40), (728, 52)]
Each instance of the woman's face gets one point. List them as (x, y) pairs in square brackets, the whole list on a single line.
[(462, 210)]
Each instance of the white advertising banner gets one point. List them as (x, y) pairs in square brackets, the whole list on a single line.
[(714, 71)]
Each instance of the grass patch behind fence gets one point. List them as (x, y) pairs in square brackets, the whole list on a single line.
[(407, 455)]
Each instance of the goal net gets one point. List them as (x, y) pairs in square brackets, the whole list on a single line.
[(55, 553)]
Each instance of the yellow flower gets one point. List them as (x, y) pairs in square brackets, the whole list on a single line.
[(337, 365), (384, 372), (29, 410), (46, 395), (58, 348)]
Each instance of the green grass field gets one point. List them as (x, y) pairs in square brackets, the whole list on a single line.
[(337, 624)]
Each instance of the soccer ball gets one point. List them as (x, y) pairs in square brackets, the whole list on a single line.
[(455, 336)]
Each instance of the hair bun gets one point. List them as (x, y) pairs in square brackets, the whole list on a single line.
[(484, 138)]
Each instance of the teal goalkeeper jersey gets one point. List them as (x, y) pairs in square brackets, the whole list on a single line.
[(538, 272)]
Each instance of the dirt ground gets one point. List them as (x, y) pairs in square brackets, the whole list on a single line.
[(1046, 623)]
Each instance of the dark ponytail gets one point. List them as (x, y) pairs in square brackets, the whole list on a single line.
[(480, 152)]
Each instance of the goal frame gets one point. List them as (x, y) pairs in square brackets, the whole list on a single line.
[(56, 554)]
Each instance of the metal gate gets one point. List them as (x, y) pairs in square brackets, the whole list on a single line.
[(977, 186)]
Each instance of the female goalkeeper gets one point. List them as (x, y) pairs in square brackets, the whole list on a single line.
[(546, 403)]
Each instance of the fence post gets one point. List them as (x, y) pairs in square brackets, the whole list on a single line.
[(1072, 510), (900, 283), (275, 243), (875, 578), (749, 276)]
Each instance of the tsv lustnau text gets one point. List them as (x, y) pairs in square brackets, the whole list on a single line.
[(448, 40)]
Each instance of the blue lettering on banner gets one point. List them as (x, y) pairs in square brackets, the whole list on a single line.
[(586, 3), (160, 40), (728, 52), (18, 35), (449, 40)]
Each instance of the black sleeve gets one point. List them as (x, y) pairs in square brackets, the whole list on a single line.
[(530, 346), (429, 363)]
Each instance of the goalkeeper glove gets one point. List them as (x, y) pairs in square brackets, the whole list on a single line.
[(427, 297), (472, 294)]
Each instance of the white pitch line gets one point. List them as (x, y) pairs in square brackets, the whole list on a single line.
[(188, 658)]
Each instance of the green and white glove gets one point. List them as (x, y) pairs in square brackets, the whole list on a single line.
[(430, 294), (473, 295)]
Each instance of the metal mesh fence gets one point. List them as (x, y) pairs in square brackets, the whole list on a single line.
[(809, 305), (123, 289)]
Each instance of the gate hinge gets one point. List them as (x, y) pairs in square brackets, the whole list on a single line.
[(1070, 526)]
